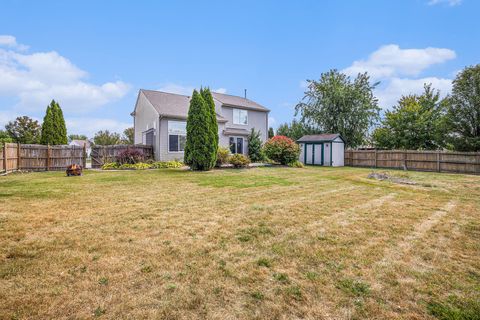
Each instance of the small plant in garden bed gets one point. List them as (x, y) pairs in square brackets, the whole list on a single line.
[(223, 155), (166, 164), (110, 166), (239, 160), (142, 165)]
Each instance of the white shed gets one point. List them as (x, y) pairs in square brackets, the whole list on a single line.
[(322, 150)]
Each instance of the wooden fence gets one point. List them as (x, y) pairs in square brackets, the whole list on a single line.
[(439, 161), (105, 154), (34, 157)]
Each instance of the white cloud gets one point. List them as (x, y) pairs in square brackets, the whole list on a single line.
[(220, 90), (37, 78), (450, 3), (389, 95), (89, 126), (391, 60), (399, 71), (11, 41), (184, 90)]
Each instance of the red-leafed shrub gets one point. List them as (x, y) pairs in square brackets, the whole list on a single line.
[(282, 149), (130, 156)]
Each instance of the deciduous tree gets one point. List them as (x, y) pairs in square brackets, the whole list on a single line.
[(24, 130), (415, 123), (463, 116), (336, 104), (106, 138)]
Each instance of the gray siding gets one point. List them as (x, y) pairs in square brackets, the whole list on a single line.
[(146, 117), (256, 119), (162, 146)]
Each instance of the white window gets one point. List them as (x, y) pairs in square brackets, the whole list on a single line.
[(240, 116), (177, 136)]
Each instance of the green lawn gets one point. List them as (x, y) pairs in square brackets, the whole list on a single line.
[(264, 243)]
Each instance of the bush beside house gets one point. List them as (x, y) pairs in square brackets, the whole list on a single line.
[(282, 150)]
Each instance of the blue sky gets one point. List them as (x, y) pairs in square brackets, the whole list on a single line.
[(94, 56)]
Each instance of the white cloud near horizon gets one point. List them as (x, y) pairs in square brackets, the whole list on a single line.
[(89, 126), (451, 3), (399, 71), (34, 79)]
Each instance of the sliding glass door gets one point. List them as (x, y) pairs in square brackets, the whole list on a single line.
[(236, 145)]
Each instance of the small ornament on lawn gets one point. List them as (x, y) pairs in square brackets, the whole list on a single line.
[(74, 170)]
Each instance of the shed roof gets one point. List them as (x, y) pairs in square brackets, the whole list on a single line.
[(324, 137)]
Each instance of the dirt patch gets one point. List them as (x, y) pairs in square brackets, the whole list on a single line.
[(382, 176)]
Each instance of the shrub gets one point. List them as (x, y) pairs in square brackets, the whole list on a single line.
[(166, 164), (223, 155), (130, 156), (282, 149), (255, 152), (296, 164), (239, 160), (110, 166)]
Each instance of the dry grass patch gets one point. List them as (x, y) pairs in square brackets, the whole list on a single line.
[(265, 243)]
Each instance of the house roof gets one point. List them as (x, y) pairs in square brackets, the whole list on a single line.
[(236, 101), (176, 105), (325, 137)]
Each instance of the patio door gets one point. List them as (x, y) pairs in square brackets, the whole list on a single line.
[(236, 145)]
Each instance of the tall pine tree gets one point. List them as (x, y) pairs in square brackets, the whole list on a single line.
[(54, 131), (212, 123), (197, 152)]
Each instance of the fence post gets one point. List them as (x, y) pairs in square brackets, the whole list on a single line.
[(375, 157), (404, 160), (5, 156), (48, 157), (18, 156), (84, 158), (438, 160)]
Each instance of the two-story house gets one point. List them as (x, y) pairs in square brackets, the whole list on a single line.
[(160, 120)]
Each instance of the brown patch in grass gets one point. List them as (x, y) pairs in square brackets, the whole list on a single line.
[(299, 244)]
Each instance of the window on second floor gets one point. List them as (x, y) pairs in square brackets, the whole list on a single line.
[(240, 116)]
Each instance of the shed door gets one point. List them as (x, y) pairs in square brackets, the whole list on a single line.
[(309, 154), (318, 154)]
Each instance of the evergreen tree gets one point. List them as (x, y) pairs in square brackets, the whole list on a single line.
[(197, 152), (271, 133), (212, 123), (61, 126), (54, 131), (255, 152), (47, 126)]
